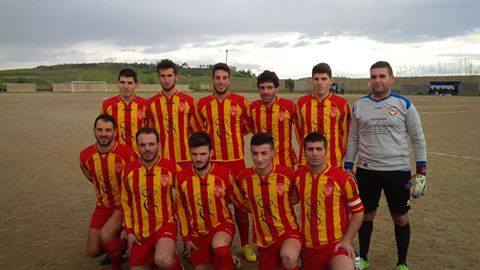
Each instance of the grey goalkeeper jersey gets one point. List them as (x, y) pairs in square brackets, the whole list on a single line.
[(379, 133)]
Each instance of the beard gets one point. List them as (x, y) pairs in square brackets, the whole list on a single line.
[(146, 159), (201, 167), (109, 141), (168, 89), (218, 92)]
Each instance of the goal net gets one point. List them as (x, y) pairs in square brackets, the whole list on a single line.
[(88, 86)]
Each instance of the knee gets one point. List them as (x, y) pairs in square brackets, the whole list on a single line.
[(93, 250), (289, 258), (163, 261), (400, 220)]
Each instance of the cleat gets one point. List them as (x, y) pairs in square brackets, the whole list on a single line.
[(361, 263), (402, 267), (249, 254), (237, 264), (104, 261)]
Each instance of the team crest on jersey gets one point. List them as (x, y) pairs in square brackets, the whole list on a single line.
[(334, 112), (280, 188), (392, 111), (282, 116), (164, 178), (219, 191), (181, 106), (233, 109), (328, 190), (118, 166), (141, 114)]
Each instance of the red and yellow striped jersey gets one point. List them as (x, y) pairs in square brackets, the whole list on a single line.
[(175, 118), (226, 122), (331, 116), (104, 171), (326, 202), (129, 117), (270, 201), (203, 201), (276, 119), (147, 197)]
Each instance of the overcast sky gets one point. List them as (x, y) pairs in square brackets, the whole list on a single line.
[(288, 37)]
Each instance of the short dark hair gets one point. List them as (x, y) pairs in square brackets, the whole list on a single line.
[(199, 138), (268, 76), (105, 117), (167, 63), (147, 130), (322, 68), (314, 137), (127, 72), (262, 138), (383, 64), (220, 66)]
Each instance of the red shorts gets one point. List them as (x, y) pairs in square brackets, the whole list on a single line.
[(204, 253), (101, 214), (235, 166), (319, 258), (269, 256), (143, 254)]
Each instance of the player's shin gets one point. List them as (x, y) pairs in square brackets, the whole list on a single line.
[(222, 258), (114, 252)]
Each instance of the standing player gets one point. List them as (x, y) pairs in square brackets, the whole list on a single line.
[(269, 191), (331, 209), (173, 114), (226, 117), (127, 108), (204, 193), (274, 115), (102, 164), (382, 122), (148, 206), (324, 112)]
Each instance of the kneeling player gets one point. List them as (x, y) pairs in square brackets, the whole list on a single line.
[(331, 209), (269, 191), (204, 191), (102, 164), (148, 206)]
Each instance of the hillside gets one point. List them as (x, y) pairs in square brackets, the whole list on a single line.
[(44, 76)]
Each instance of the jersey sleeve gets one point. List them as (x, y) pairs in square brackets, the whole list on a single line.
[(195, 121), (417, 137), (182, 213), (299, 124), (345, 124), (246, 118), (126, 198), (352, 198), (85, 171), (235, 195), (353, 140)]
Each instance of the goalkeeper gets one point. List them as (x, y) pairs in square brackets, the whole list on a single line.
[(381, 125)]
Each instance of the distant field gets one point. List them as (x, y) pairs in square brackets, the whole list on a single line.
[(46, 203)]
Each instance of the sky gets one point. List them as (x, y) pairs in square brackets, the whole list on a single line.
[(418, 37)]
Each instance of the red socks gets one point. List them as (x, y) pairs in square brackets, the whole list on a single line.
[(114, 252), (222, 259), (241, 218), (177, 265)]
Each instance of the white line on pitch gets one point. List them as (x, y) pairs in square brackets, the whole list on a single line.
[(452, 112), (454, 156)]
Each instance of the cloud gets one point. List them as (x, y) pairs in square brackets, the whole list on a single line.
[(302, 43), (275, 44)]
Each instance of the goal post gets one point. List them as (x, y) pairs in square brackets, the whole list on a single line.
[(88, 86)]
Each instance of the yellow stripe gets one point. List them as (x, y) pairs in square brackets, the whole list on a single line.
[(326, 127), (228, 125), (322, 231), (306, 198), (113, 178), (336, 212), (211, 194), (275, 131), (121, 121), (136, 225), (134, 124)]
